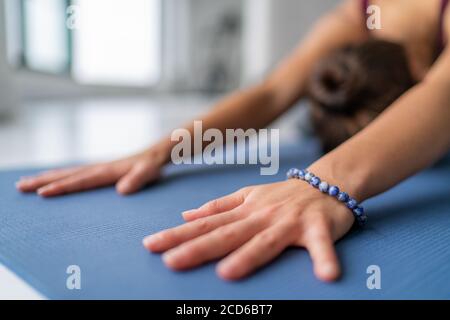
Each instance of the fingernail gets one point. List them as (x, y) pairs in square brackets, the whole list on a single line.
[(170, 257), (153, 242), (21, 183), (43, 190), (187, 212), (223, 269), (226, 269), (328, 271), (149, 241), (328, 268), (121, 187)]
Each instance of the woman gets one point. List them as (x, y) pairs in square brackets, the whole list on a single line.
[(255, 224)]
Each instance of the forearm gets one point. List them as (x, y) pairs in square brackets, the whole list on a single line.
[(410, 136), (250, 108), (254, 107)]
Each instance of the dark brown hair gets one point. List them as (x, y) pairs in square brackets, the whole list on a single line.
[(352, 86)]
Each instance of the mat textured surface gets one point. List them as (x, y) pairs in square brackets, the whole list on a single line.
[(408, 237)]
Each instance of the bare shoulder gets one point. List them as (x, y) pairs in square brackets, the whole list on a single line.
[(446, 53), (439, 73), (351, 10), (447, 24), (348, 14)]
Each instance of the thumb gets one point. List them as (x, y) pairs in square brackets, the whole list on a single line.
[(140, 174), (321, 249)]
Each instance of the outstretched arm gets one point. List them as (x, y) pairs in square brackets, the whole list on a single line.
[(254, 107)]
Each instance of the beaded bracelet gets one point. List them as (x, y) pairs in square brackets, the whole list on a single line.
[(356, 209)]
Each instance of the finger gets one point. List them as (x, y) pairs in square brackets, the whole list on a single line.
[(216, 206), (137, 177), (212, 245), (171, 238), (261, 249), (84, 180), (321, 249), (31, 184)]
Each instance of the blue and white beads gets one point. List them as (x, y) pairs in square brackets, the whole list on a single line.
[(323, 186), (343, 197), (352, 203), (308, 176), (293, 174), (315, 182), (334, 191)]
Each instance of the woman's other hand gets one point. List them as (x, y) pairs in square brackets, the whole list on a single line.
[(129, 175)]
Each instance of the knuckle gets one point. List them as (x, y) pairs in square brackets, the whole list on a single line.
[(227, 233), (202, 225), (269, 213), (292, 225), (81, 183), (100, 170), (191, 249), (142, 165), (115, 169), (168, 236), (241, 262), (268, 239), (249, 257), (57, 185), (213, 205), (245, 190)]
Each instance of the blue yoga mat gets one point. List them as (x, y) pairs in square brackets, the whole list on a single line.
[(408, 237)]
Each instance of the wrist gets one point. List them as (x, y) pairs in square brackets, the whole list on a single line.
[(330, 190), (159, 153), (350, 177)]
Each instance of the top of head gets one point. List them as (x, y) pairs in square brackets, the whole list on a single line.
[(371, 74)]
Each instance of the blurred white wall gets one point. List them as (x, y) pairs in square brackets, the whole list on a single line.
[(270, 30), (216, 46), (7, 100), (273, 28)]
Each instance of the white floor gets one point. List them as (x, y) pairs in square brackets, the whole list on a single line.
[(50, 133), (54, 132)]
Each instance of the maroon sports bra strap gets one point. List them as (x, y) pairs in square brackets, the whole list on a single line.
[(364, 6)]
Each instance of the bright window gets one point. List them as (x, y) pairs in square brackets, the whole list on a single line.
[(46, 47), (14, 44), (117, 42), (114, 42)]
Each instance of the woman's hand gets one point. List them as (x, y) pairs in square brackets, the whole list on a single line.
[(129, 174), (254, 225)]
